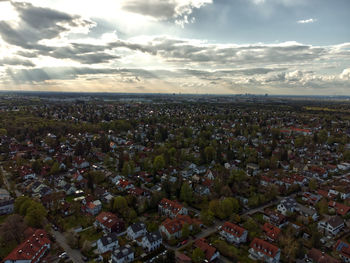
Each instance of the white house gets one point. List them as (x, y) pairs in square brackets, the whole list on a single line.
[(152, 241), (264, 251), (107, 243), (136, 230), (171, 208), (287, 205), (122, 255), (234, 233), (332, 226)]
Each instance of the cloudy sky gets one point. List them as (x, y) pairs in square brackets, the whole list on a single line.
[(176, 46)]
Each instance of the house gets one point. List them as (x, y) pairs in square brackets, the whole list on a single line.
[(152, 241), (272, 232), (107, 243), (171, 208), (343, 248), (31, 250), (202, 190), (287, 205), (252, 169), (319, 256), (332, 226), (210, 252), (122, 255), (265, 180), (264, 251), (93, 208), (275, 218), (308, 212), (182, 258), (136, 230), (109, 222), (6, 202), (172, 228), (233, 233), (340, 209), (311, 198)]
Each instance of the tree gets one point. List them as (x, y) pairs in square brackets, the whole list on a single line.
[(120, 204), (209, 153), (186, 193), (159, 162), (322, 206), (36, 214), (12, 229), (207, 217), (313, 184), (198, 255), (185, 232), (72, 239), (55, 168)]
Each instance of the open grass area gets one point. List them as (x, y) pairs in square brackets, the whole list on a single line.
[(3, 218), (91, 234), (232, 252)]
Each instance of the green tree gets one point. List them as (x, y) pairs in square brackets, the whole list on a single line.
[(159, 162), (198, 255), (185, 231), (207, 217), (55, 168), (209, 153), (36, 215), (186, 193), (313, 184), (120, 204)]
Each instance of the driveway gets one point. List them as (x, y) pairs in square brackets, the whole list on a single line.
[(73, 254)]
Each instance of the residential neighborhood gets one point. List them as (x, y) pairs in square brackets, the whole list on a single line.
[(173, 179)]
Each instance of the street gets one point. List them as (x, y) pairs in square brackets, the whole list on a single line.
[(5, 176), (73, 254)]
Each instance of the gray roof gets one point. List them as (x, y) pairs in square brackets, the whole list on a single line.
[(122, 252), (335, 221), (289, 203), (108, 239), (137, 227), (153, 237)]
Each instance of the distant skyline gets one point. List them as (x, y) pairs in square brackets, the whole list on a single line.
[(287, 47)]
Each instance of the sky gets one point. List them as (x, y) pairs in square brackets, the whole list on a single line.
[(288, 47)]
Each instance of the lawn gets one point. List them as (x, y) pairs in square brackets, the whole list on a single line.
[(91, 234), (3, 218), (232, 252)]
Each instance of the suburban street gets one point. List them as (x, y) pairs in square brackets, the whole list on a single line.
[(5, 176), (73, 254)]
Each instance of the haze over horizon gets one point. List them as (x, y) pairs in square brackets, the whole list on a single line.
[(289, 47)]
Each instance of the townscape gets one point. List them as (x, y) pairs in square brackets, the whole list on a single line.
[(170, 178)]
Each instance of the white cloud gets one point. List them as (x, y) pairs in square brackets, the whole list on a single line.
[(307, 21), (177, 10), (345, 75)]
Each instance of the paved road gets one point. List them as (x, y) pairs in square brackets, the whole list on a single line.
[(5, 176), (73, 254)]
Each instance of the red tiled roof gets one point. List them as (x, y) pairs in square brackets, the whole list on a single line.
[(208, 250), (264, 247), (172, 225), (233, 229), (32, 248), (174, 206), (108, 219), (340, 208), (271, 231)]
